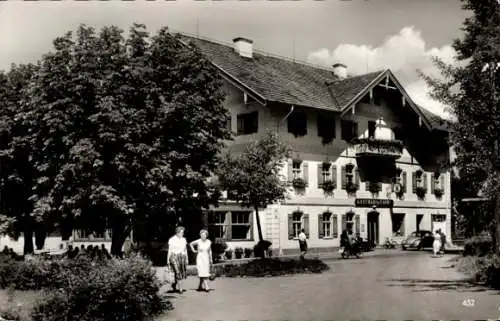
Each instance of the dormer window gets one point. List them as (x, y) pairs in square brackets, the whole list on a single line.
[(248, 123), (297, 123)]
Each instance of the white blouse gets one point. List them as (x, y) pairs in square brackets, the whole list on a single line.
[(177, 245)]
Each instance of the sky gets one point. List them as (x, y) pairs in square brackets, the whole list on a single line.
[(366, 35)]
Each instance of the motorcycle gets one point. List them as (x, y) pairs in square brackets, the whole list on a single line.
[(351, 251), (390, 243)]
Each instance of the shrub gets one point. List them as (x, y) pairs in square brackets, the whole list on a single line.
[(218, 249), (248, 252), (261, 248), (229, 254), (238, 252), (272, 267), (125, 290), (485, 269), (479, 245)]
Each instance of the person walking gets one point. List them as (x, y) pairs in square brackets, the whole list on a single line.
[(303, 243), (436, 245), (443, 241), (203, 252), (177, 258)]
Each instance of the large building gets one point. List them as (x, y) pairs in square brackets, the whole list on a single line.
[(365, 154)]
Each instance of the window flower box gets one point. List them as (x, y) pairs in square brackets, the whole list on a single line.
[(420, 191), (438, 192), (299, 184), (351, 188), (329, 186)]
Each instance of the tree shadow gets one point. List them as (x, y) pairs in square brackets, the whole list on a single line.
[(422, 285)]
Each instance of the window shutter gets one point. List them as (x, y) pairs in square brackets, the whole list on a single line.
[(441, 178), (229, 230), (321, 231), (402, 229), (414, 182), (356, 177), (250, 220), (290, 170), (404, 182), (333, 168), (357, 222), (305, 172), (306, 224), (335, 226), (354, 130), (320, 175), (344, 223), (290, 227), (367, 186), (433, 183), (343, 178), (379, 186), (425, 180)]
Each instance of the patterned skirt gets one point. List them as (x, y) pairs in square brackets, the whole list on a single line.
[(178, 264)]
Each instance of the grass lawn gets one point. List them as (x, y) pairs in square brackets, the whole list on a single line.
[(21, 302)]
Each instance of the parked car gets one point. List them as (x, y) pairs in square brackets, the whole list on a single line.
[(418, 240)]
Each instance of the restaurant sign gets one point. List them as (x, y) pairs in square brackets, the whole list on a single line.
[(370, 202)]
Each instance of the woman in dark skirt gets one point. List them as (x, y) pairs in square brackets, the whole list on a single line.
[(177, 258), (303, 244)]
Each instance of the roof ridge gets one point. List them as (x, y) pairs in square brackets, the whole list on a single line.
[(269, 54)]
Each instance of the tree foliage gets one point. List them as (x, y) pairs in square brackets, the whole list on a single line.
[(117, 127), (471, 89), (253, 177)]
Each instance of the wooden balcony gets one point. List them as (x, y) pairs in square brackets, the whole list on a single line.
[(378, 148)]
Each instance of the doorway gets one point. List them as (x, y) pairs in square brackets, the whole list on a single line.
[(373, 227), (419, 221)]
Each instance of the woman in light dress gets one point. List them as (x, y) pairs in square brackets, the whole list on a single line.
[(203, 259), (436, 246), (177, 258)]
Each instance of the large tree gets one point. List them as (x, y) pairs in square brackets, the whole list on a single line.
[(252, 178), (119, 128), (471, 88)]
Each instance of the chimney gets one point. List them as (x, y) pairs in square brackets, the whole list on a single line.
[(243, 46), (340, 71)]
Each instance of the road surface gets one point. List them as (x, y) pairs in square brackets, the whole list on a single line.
[(382, 285)]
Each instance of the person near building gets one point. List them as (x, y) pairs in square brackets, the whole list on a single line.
[(436, 245), (203, 259), (344, 241), (177, 258), (303, 243), (443, 241)]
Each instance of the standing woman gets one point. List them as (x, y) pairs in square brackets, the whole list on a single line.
[(436, 246), (203, 259), (177, 258)]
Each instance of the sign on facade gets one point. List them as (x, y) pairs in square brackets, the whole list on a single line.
[(370, 202)]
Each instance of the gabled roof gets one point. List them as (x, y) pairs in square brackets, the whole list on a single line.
[(273, 79)]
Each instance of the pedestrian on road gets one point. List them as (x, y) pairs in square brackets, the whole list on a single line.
[(443, 241), (203, 259), (177, 258), (436, 246), (303, 243)]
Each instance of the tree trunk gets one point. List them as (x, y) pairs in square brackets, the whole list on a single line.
[(40, 236), (259, 227), (28, 241), (120, 234)]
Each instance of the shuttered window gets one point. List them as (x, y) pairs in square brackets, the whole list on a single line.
[(296, 222)]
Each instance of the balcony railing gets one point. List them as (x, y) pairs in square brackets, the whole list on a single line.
[(378, 148)]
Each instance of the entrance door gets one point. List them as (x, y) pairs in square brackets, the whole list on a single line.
[(419, 221), (373, 233)]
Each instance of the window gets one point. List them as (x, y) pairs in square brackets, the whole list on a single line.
[(398, 221), (420, 179), (326, 172), (296, 170), (240, 226), (217, 225), (233, 225), (326, 127), (372, 126), (248, 123), (296, 223), (327, 224), (297, 123), (349, 130), (229, 124), (349, 174)]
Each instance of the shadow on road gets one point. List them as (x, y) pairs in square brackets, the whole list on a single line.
[(420, 285)]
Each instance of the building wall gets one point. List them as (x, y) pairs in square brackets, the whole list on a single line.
[(313, 152)]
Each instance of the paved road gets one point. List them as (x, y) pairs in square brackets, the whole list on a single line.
[(383, 285)]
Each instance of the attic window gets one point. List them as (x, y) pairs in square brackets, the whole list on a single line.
[(349, 130), (297, 123), (248, 123)]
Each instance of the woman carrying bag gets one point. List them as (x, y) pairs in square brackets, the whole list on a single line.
[(204, 261)]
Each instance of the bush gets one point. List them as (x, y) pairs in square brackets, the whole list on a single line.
[(479, 245), (238, 252), (261, 248), (248, 252), (229, 254), (125, 290), (272, 267), (218, 249)]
